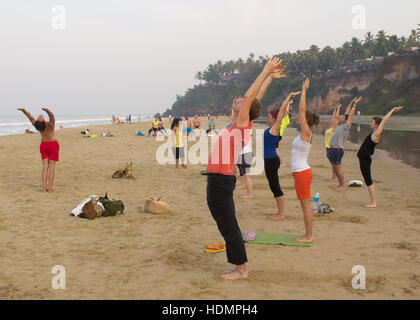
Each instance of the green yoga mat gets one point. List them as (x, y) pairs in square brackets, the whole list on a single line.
[(277, 239)]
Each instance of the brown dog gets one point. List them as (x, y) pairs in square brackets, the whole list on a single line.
[(127, 173)]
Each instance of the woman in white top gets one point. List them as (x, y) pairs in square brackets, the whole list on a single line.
[(302, 172)]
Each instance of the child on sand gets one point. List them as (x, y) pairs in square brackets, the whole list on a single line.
[(367, 150), (49, 146), (221, 181)]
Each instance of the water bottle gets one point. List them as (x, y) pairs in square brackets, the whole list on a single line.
[(315, 203)]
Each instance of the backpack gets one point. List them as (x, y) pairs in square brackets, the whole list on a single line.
[(112, 207)]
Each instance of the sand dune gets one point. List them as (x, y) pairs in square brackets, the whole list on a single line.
[(143, 256)]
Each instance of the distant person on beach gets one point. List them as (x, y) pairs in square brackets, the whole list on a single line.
[(328, 134), (272, 162), (368, 149), (212, 126), (155, 127), (161, 126), (178, 150), (223, 158), (196, 122), (336, 151), (302, 172), (49, 148), (244, 166)]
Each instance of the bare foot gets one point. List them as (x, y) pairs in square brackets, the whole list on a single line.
[(247, 197), (333, 180), (235, 275), (277, 217), (341, 188), (304, 239), (371, 206), (50, 190), (184, 166)]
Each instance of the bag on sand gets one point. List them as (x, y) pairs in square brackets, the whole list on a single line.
[(112, 207)]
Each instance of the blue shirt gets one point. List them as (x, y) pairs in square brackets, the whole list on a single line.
[(270, 145)]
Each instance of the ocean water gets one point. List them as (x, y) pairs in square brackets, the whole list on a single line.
[(17, 124)]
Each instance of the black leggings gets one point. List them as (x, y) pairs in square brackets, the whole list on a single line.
[(365, 167), (220, 201), (271, 167)]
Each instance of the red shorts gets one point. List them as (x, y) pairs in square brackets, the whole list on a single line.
[(303, 182), (50, 150)]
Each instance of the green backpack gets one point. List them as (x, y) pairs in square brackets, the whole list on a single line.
[(112, 208)]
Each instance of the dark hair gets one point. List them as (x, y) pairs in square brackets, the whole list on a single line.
[(377, 120), (255, 110), (312, 119), (39, 125), (175, 123), (274, 113)]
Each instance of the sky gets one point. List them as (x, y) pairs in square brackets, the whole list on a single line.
[(134, 56)]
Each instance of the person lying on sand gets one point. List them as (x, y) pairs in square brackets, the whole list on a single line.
[(220, 179), (49, 148)]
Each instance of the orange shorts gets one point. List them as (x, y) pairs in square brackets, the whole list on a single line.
[(303, 182)]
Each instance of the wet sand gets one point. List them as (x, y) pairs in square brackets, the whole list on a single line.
[(142, 256)]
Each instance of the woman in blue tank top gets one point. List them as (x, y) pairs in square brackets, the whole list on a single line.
[(271, 159)]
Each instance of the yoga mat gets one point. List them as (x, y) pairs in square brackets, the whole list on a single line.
[(277, 239)]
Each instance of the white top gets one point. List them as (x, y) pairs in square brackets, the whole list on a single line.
[(248, 147), (300, 153)]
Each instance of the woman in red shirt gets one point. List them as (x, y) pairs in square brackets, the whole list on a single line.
[(221, 180)]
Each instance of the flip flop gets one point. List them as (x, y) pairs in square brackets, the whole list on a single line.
[(219, 245), (215, 250)]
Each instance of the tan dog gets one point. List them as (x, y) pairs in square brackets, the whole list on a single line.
[(156, 206), (127, 173)]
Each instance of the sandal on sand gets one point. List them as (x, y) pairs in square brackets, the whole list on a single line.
[(215, 250), (219, 245)]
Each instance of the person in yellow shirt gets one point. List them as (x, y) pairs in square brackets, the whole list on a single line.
[(155, 127), (284, 124), (178, 150), (328, 134)]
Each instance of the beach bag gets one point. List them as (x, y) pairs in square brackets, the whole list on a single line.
[(112, 207)]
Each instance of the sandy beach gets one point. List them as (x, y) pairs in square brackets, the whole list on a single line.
[(143, 256)]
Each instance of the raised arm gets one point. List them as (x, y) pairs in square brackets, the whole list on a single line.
[(278, 75), (275, 129), (28, 115), (353, 111), (50, 115), (336, 114), (376, 137), (273, 65), (349, 107), (305, 131)]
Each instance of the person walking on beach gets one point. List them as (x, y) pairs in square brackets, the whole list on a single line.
[(272, 138), (302, 172), (336, 151), (49, 147), (368, 149), (220, 179)]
